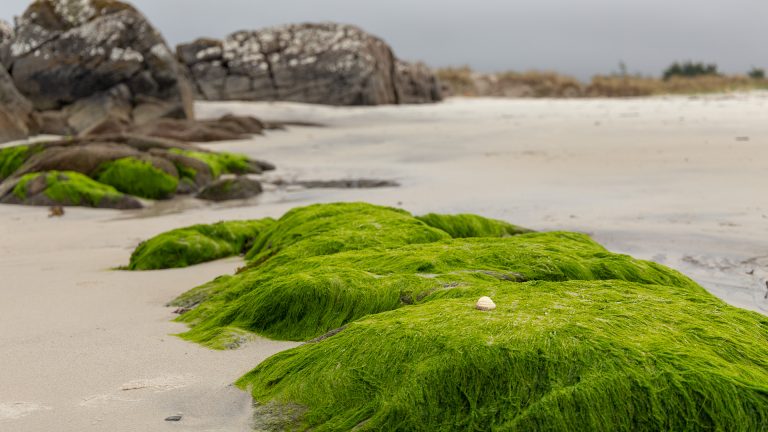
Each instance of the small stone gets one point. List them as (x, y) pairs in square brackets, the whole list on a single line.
[(173, 418), (485, 304)]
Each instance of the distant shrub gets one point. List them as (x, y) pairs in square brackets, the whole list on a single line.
[(690, 69), (756, 73)]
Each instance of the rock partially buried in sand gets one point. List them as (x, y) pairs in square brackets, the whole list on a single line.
[(485, 304), (240, 187)]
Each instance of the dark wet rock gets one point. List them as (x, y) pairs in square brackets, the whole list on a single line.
[(339, 184), (226, 128), (240, 187), (416, 83), (97, 62), (316, 63), (16, 117)]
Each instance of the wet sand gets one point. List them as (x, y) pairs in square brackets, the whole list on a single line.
[(676, 180)]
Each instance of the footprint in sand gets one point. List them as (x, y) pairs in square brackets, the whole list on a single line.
[(17, 410)]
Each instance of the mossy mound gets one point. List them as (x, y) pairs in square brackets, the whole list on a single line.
[(11, 158), (67, 188), (469, 225), (325, 229), (138, 177), (222, 162), (582, 339), (301, 298), (566, 356), (196, 244), (322, 266)]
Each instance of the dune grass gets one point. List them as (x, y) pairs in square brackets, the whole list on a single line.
[(567, 356), (69, 188), (464, 81), (138, 177), (196, 244)]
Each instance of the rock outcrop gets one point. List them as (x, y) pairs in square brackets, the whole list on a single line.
[(84, 63), (83, 171), (240, 187), (316, 63), (16, 115)]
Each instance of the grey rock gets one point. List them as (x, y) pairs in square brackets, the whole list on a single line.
[(16, 116), (96, 60), (315, 63), (240, 187)]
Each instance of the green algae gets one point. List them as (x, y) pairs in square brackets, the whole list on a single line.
[(575, 356), (69, 188), (582, 338), (11, 158), (138, 177), (301, 298), (219, 162), (322, 266), (196, 244), (324, 229), (468, 225)]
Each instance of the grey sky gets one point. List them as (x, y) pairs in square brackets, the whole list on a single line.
[(579, 37)]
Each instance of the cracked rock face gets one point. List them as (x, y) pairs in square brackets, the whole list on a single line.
[(95, 60), (315, 63)]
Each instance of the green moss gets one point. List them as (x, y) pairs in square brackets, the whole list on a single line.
[(195, 244), (303, 297), (322, 266), (138, 177), (69, 188), (468, 225), (11, 158), (575, 356), (219, 162), (324, 229), (582, 339)]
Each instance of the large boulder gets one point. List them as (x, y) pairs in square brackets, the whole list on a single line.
[(316, 63), (16, 114), (95, 62)]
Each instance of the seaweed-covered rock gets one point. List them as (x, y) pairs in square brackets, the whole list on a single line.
[(147, 177), (566, 356), (315, 63), (358, 259), (66, 188), (16, 116), (240, 187), (98, 61), (469, 225), (148, 167), (195, 244)]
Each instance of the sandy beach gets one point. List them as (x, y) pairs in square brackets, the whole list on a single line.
[(677, 180)]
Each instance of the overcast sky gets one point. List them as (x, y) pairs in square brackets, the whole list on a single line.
[(579, 37)]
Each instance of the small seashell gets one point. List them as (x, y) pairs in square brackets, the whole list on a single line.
[(485, 304)]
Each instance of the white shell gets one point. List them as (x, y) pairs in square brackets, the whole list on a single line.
[(485, 304)]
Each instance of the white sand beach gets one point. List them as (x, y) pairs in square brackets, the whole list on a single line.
[(677, 180)]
